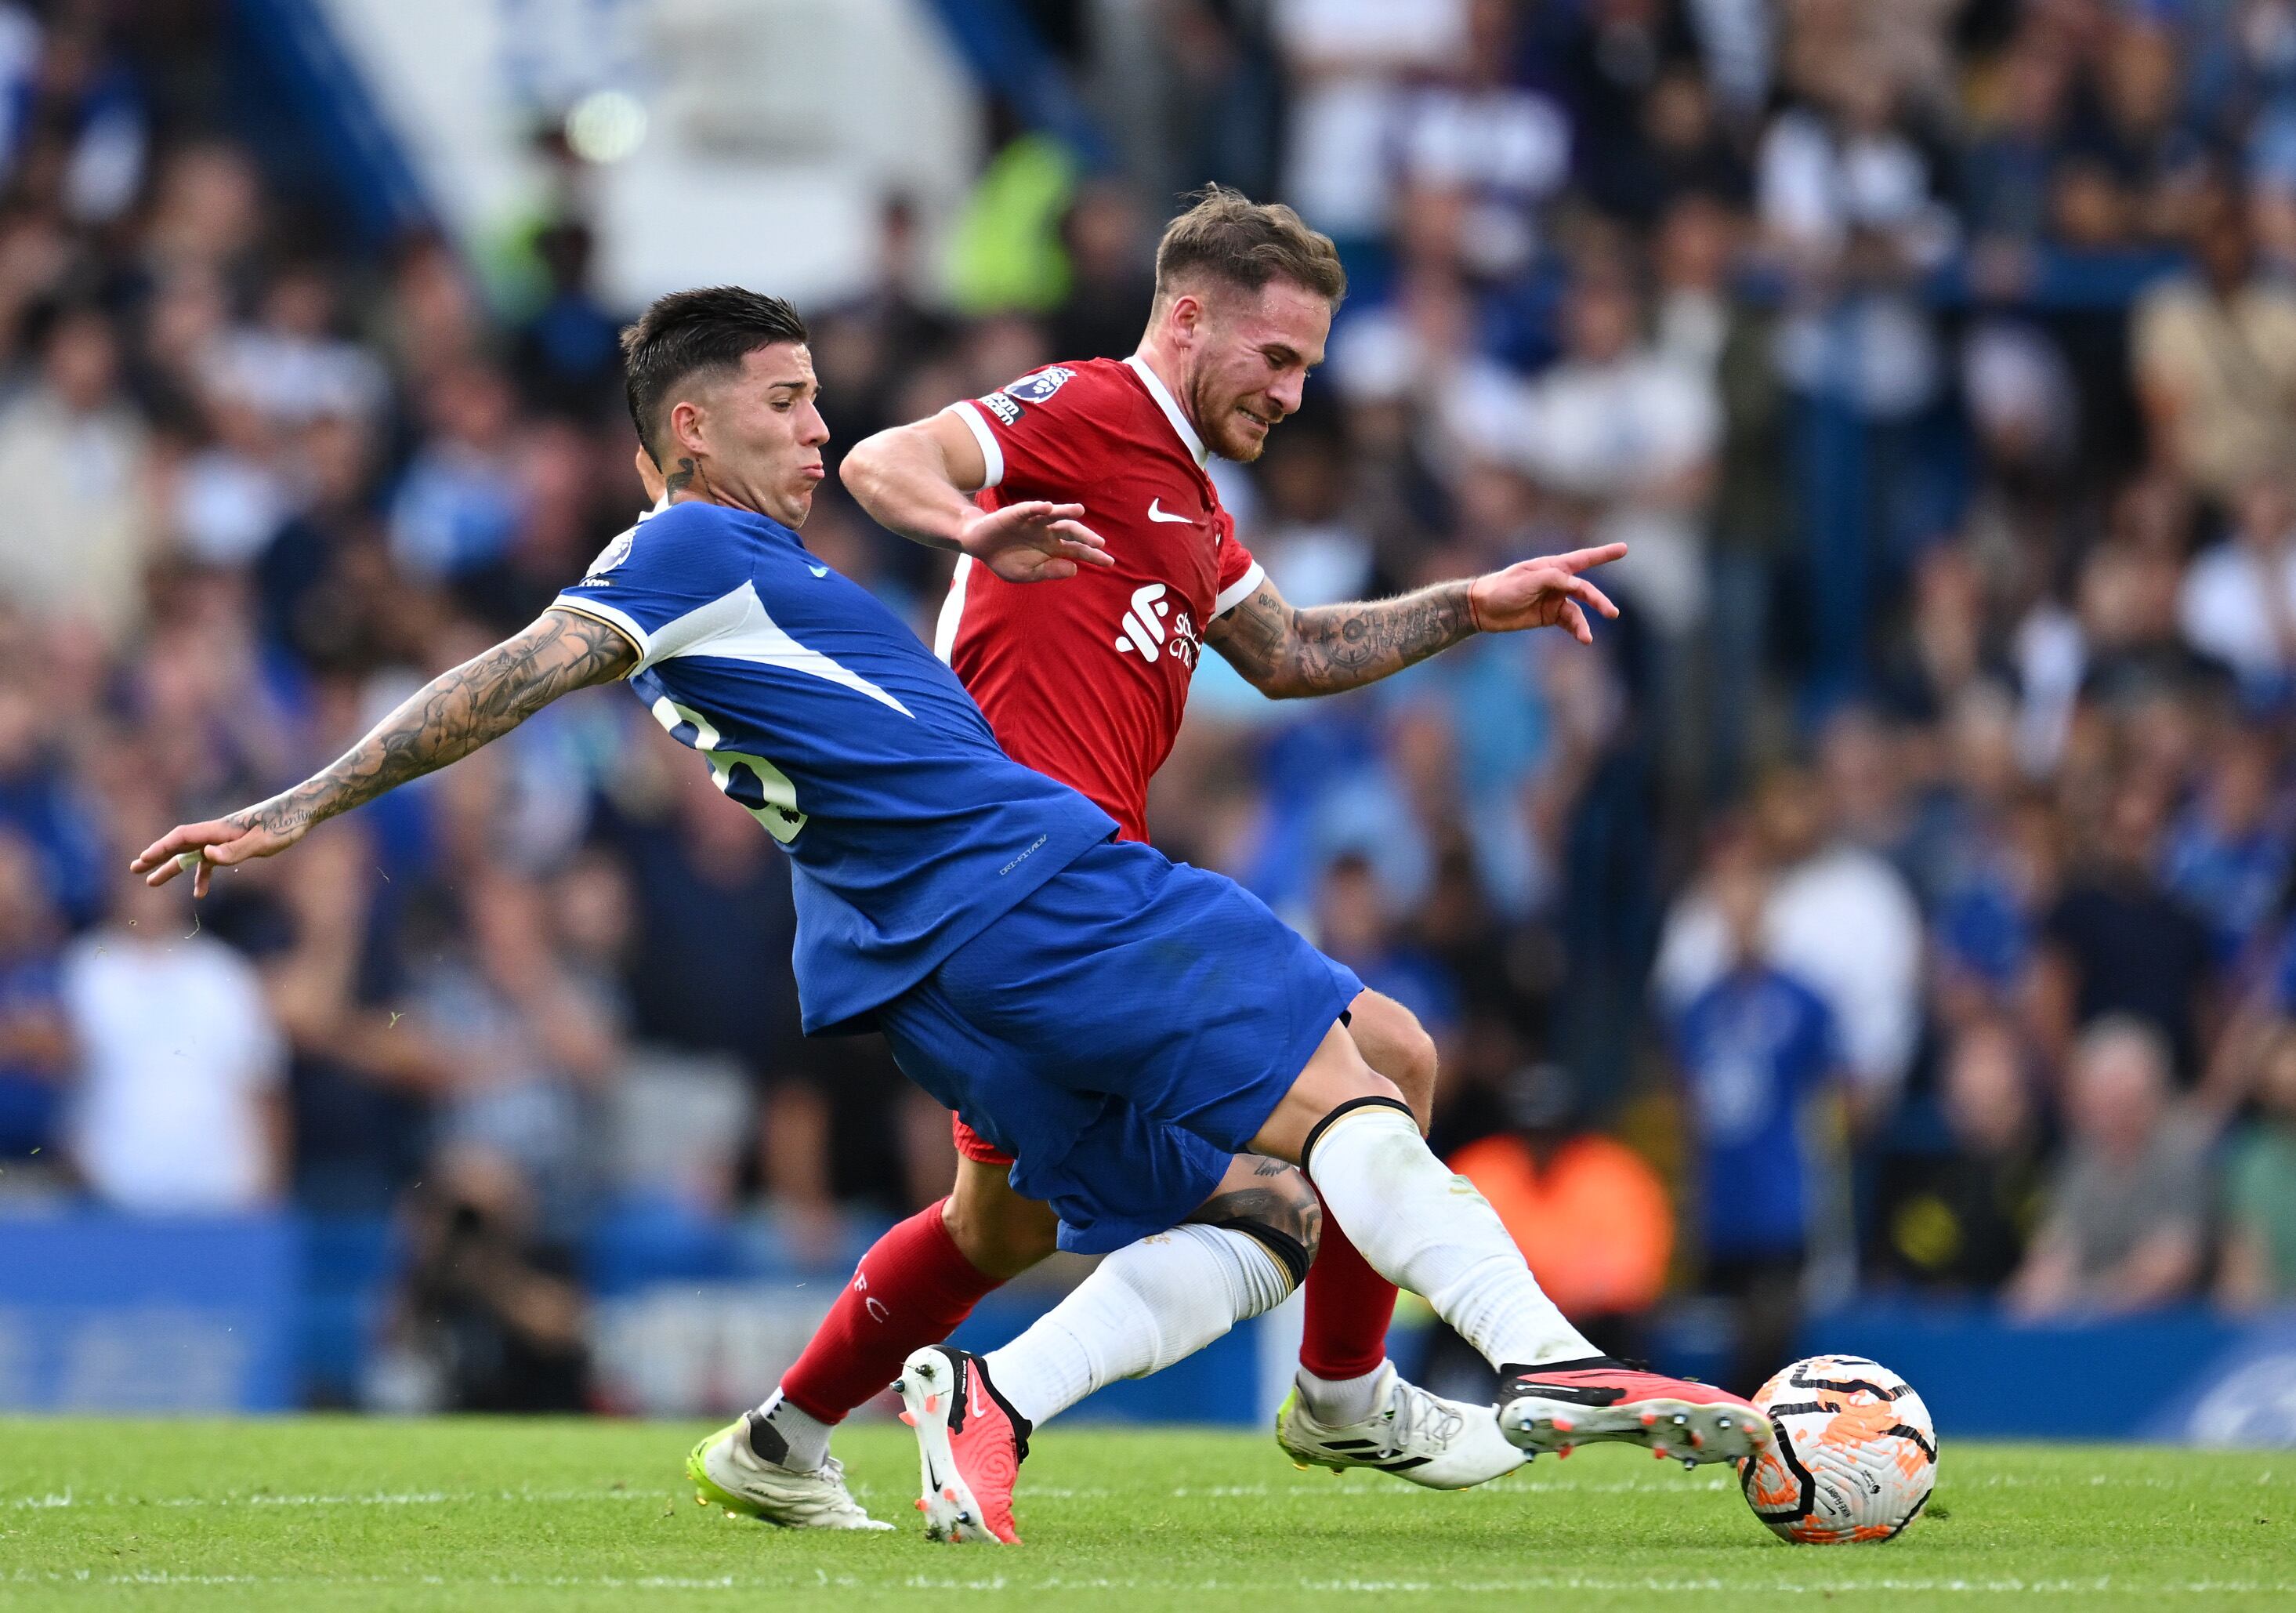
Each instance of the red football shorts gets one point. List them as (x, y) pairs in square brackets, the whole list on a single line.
[(974, 1146)]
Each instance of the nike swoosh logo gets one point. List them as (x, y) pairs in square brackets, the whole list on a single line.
[(1155, 514), (818, 571)]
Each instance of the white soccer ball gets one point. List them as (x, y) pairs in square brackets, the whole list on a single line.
[(1855, 1457)]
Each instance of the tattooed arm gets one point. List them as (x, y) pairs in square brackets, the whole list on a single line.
[(1285, 652), (445, 720)]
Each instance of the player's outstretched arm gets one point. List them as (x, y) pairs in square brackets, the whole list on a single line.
[(917, 480), (445, 720), (1286, 652)]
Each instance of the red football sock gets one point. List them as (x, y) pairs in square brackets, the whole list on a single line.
[(912, 1289), (1349, 1308)]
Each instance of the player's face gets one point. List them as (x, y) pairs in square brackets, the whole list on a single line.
[(764, 434), (1253, 353)]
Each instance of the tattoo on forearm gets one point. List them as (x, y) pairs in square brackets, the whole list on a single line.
[(455, 714), (1285, 651)]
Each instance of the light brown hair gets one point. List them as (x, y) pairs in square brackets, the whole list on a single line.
[(1229, 237)]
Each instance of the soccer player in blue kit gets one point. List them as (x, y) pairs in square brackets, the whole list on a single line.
[(1123, 1025)]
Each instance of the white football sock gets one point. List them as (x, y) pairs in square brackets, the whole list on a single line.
[(1147, 1305), (1336, 1401), (806, 1436), (1425, 1230)]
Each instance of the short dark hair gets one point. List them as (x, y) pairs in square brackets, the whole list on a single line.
[(692, 333), (1227, 236)]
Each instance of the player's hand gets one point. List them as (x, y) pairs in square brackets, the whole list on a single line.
[(1035, 541), (1545, 592), (199, 849)]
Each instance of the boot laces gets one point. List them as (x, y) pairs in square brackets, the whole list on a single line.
[(1415, 1416)]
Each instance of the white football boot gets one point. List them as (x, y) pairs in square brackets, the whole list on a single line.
[(727, 1472), (1444, 1444)]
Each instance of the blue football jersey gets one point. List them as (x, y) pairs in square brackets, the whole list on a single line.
[(816, 709)]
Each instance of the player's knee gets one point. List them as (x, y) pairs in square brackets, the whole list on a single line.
[(1393, 1042), (1414, 1074), (1272, 1202), (1001, 1234)]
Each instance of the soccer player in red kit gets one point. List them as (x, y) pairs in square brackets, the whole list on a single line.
[(1087, 680)]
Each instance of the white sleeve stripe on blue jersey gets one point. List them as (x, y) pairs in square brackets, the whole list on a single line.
[(737, 627), (1236, 593), (612, 618), (991, 452), (952, 610)]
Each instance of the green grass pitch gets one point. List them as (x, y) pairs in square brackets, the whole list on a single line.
[(327, 1513)]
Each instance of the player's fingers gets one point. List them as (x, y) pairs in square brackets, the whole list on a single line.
[(1092, 553), (1080, 533), (1053, 570), (1580, 588), (206, 871), (183, 837), (1579, 560), (1575, 620)]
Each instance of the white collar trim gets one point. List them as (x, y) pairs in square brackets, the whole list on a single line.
[(1155, 384)]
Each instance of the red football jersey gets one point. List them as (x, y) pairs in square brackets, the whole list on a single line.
[(1086, 680)]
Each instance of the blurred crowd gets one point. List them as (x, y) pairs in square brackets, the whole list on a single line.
[(1900, 895)]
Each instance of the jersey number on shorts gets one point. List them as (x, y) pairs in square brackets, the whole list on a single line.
[(753, 781)]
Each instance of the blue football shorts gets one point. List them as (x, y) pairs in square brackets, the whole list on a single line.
[(1121, 1033)]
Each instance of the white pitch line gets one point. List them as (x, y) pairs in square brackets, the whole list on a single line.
[(410, 1498), (1699, 1586)]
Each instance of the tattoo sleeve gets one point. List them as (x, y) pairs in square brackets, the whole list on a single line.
[(456, 713), (1285, 652)]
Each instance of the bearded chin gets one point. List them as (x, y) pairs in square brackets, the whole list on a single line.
[(1212, 420)]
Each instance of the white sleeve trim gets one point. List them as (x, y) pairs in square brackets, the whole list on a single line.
[(952, 611), (968, 411), (1236, 593), (583, 604)]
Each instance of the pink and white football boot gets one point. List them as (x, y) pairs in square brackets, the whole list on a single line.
[(970, 1444)]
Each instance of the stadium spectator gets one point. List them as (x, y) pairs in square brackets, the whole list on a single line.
[(453, 514), (76, 544), (2228, 855), (2215, 356), (2238, 601), (2118, 943), (1629, 431), (176, 1106), (1347, 60), (2259, 1268), (35, 1048), (44, 795), (1960, 1220), (1760, 1059), (2129, 1207), (529, 1049), (489, 1316), (1707, 322), (1357, 923), (1836, 916)]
